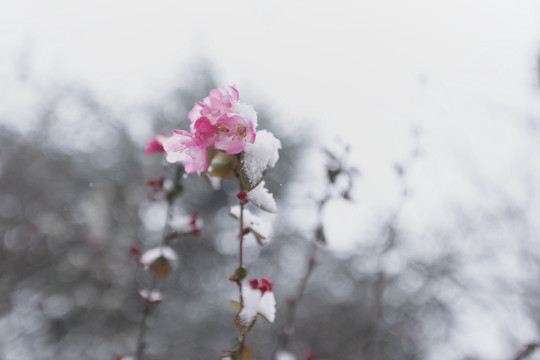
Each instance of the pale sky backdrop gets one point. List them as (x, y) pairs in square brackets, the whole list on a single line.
[(367, 72)]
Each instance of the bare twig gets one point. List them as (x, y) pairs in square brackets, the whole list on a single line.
[(527, 351)]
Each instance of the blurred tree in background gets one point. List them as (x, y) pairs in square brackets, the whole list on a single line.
[(73, 199)]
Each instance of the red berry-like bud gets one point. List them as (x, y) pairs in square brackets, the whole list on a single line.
[(134, 249), (310, 355), (193, 220), (156, 184), (242, 195), (254, 283), (267, 284)]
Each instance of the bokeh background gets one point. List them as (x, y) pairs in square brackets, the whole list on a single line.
[(435, 255)]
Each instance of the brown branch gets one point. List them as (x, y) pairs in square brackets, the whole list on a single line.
[(527, 351)]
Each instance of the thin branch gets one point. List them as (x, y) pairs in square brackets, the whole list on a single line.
[(528, 351), (142, 326)]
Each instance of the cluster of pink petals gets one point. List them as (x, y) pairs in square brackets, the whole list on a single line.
[(218, 102), (213, 123), (184, 146), (155, 144)]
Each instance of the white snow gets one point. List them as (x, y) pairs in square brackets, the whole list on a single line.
[(267, 306), (255, 223), (261, 155), (284, 355), (184, 224), (247, 112), (153, 296), (257, 303), (262, 198), (153, 254)]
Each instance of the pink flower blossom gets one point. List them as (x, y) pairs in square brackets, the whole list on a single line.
[(205, 130), (155, 145), (218, 102), (233, 133), (183, 146)]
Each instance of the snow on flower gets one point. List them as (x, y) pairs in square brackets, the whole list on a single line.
[(187, 224), (259, 227), (260, 155), (246, 111), (284, 355), (155, 145), (150, 256), (258, 300), (262, 198), (151, 296), (183, 146)]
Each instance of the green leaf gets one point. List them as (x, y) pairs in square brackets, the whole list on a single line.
[(235, 344), (240, 273), (223, 165), (235, 304), (249, 181)]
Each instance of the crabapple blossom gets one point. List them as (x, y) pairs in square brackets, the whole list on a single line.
[(155, 145), (234, 132), (218, 102), (231, 132), (183, 146), (205, 130)]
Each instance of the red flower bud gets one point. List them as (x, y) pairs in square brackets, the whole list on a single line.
[(310, 355), (265, 286), (242, 195), (254, 283), (134, 249)]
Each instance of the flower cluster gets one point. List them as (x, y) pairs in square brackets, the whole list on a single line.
[(220, 121), (221, 143), (258, 300)]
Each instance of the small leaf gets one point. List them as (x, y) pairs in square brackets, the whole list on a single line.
[(235, 344), (247, 355), (260, 239), (235, 304), (161, 266), (249, 181), (223, 165), (240, 273)]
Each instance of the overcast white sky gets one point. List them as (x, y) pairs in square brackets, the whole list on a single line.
[(463, 71)]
